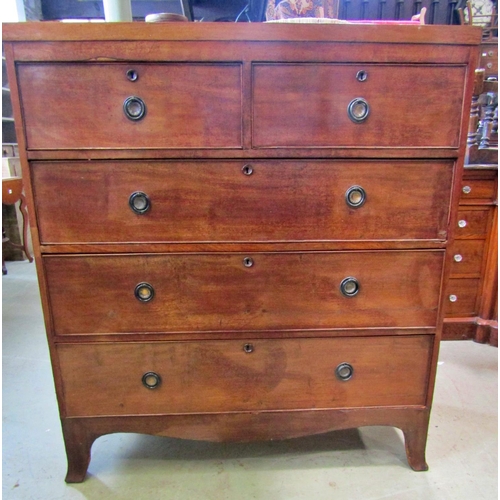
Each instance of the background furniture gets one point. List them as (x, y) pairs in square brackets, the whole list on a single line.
[(12, 192), (472, 311), (10, 168), (239, 249), (438, 12)]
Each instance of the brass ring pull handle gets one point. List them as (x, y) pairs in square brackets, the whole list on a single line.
[(358, 110), (344, 371), (144, 292), (139, 202), (151, 380), (355, 196), (134, 108), (349, 286)]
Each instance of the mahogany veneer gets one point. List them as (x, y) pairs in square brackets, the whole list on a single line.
[(242, 231)]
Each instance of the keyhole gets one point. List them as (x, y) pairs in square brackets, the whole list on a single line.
[(247, 170), (132, 75)]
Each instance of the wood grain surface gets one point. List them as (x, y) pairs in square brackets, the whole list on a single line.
[(207, 377), (81, 105), (216, 292), (306, 105), (213, 201)]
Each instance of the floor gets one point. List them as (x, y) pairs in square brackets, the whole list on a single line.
[(365, 464)]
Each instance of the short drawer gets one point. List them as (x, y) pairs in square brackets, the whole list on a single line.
[(227, 292), (489, 59), (461, 297), (478, 189), (472, 223), (237, 201), (258, 375), (103, 105), (361, 105), (467, 257)]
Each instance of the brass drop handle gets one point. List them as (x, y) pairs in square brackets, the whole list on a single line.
[(355, 196), (144, 292), (344, 371), (139, 202), (358, 110), (134, 108), (349, 286), (151, 380)]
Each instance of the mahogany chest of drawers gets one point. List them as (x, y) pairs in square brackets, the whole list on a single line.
[(241, 231)]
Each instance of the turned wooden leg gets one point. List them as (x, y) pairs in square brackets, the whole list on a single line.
[(78, 441), (415, 434)]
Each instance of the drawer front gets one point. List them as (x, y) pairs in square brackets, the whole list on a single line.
[(472, 223), (300, 105), (219, 376), (467, 257), (241, 201), (75, 106), (489, 59), (478, 189), (227, 292), (461, 297)]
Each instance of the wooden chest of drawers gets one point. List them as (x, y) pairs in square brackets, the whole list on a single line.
[(242, 231)]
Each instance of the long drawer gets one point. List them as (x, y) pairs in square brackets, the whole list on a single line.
[(103, 105), (361, 105), (241, 201), (218, 376), (225, 292)]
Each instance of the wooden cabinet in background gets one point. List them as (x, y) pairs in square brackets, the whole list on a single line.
[(472, 290), (471, 293)]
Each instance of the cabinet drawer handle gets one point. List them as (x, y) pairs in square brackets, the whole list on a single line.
[(151, 380), (344, 372), (139, 202), (248, 262), (457, 258), (134, 108), (361, 76), (144, 292), (349, 286), (355, 196), (466, 189), (358, 110), (247, 170), (462, 223), (453, 298)]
